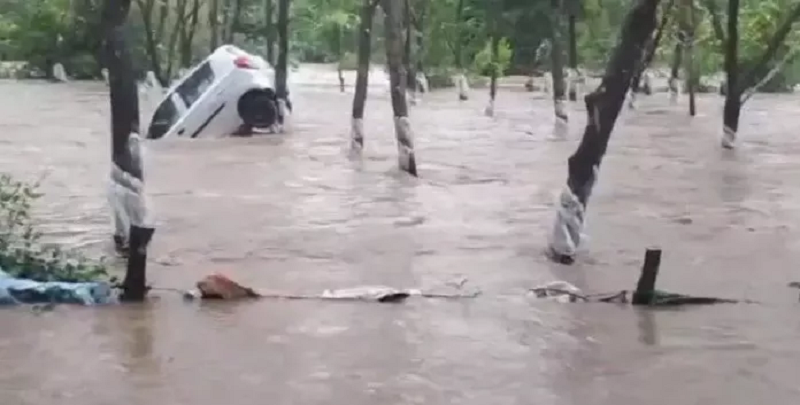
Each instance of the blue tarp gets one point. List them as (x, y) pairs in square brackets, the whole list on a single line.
[(15, 291)]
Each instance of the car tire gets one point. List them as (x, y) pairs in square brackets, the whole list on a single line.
[(258, 109)]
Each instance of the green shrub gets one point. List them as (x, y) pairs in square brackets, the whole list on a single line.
[(21, 252), (483, 60)]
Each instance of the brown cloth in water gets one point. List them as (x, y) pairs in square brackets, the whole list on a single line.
[(217, 286)]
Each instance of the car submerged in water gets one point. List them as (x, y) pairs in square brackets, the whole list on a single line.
[(230, 92)]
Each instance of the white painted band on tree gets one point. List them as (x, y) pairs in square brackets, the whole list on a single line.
[(405, 142), (357, 134), (489, 111), (126, 196), (728, 137), (59, 73), (568, 228), (463, 86)]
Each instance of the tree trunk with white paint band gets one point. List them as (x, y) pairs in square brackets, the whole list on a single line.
[(462, 84), (393, 25), (602, 108), (133, 227), (362, 75), (557, 67), (495, 45)]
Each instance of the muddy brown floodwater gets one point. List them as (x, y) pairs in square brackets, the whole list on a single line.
[(292, 213)]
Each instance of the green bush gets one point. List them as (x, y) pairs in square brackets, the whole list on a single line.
[(82, 66), (21, 252)]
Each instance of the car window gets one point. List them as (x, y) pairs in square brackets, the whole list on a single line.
[(196, 84), (165, 116)]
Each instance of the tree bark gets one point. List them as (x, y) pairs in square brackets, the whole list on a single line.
[(235, 20), (151, 38), (393, 25), (408, 54), (270, 31), (602, 108), (282, 68), (362, 75), (689, 29), (674, 79), (187, 35), (652, 47), (213, 22), (733, 100), (419, 25), (127, 174), (461, 79), (573, 58), (557, 68)]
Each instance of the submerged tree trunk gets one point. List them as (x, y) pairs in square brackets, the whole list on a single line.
[(733, 99), (339, 52), (557, 67), (126, 192), (495, 51), (674, 74), (688, 28), (602, 108), (460, 80), (282, 68), (362, 75), (213, 22), (408, 55), (270, 31), (647, 58), (573, 59), (393, 25)]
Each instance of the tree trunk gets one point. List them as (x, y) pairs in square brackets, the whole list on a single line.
[(126, 192), (393, 25), (573, 59), (733, 96), (557, 68), (270, 32), (362, 76), (647, 58), (213, 22), (602, 108), (677, 58), (226, 19), (461, 80), (408, 55), (151, 38), (420, 81), (688, 27), (495, 50), (339, 52), (281, 70), (187, 35)]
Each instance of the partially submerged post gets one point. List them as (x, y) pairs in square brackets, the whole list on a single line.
[(362, 75), (126, 194), (647, 280), (281, 69), (602, 108), (393, 25)]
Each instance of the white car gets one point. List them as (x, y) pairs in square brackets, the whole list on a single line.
[(230, 92)]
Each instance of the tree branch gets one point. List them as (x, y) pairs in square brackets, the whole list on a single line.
[(772, 48), (786, 59), (716, 22)]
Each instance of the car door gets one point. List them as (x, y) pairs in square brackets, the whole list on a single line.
[(197, 93)]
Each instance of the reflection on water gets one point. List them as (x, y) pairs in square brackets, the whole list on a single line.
[(294, 213)]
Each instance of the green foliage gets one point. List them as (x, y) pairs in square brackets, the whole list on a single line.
[(21, 252), (483, 60)]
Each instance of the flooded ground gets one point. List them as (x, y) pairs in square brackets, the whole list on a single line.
[(292, 213)]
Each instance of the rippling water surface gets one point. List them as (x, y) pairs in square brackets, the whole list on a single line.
[(292, 213)]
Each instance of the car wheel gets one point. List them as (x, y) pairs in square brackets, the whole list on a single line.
[(257, 108)]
